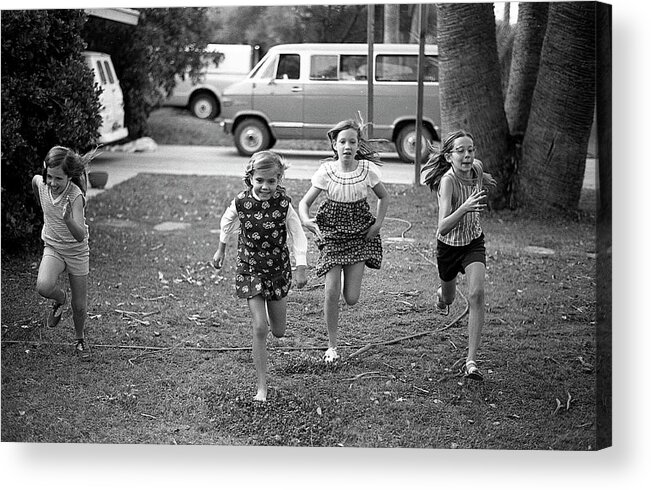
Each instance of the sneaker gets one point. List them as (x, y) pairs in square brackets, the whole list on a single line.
[(54, 317), (331, 355), (472, 371), (82, 350), (442, 306)]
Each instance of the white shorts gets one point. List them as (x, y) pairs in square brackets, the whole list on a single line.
[(76, 262)]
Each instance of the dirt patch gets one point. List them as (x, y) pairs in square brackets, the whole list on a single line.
[(171, 226)]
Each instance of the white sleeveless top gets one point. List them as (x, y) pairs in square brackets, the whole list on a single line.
[(346, 186), (55, 231)]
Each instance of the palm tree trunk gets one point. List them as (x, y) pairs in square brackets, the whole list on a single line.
[(470, 85), (529, 36), (392, 23), (556, 141)]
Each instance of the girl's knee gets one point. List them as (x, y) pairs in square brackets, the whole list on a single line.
[(476, 297), (45, 288), (351, 298), (278, 331), (260, 330), (332, 294)]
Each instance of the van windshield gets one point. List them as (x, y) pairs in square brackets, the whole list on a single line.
[(264, 69)]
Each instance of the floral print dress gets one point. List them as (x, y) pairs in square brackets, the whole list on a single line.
[(263, 259)]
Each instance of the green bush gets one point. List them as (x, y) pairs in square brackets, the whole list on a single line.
[(48, 98)]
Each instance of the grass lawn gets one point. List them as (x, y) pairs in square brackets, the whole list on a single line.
[(171, 343)]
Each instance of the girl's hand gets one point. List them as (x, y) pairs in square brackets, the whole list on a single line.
[(67, 211), (218, 259), (475, 203), (311, 225), (373, 231), (301, 277)]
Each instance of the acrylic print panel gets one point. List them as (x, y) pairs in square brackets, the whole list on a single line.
[(610, 463), (172, 345)]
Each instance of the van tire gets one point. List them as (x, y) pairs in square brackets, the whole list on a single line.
[(204, 106), (406, 143), (252, 135)]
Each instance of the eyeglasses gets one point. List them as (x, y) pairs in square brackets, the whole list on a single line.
[(462, 151)]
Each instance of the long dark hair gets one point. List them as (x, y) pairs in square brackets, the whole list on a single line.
[(437, 164), (72, 163), (364, 151)]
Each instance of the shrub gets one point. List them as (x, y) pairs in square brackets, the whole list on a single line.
[(48, 98)]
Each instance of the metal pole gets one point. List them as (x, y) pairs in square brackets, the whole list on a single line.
[(422, 14), (370, 67)]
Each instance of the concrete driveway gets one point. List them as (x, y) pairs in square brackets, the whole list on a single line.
[(220, 160)]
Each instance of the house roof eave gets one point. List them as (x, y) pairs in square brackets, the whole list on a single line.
[(122, 15)]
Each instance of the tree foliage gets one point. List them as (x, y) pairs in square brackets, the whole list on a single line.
[(271, 25), (48, 98), (166, 42)]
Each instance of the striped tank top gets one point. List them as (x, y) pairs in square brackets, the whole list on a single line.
[(468, 227)]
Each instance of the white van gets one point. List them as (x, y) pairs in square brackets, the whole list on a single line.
[(204, 99), (110, 99), (299, 91)]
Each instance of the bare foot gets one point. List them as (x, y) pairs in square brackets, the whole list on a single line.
[(261, 396)]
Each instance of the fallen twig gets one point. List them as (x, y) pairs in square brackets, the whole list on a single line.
[(558, 406), (371, 374), (359, 351), (139, 313), (586, 365), (569, 399)]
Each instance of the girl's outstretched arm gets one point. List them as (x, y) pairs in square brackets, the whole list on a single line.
[(36, 180), (304, 210), (218, 257), (229, 225), (381, 211)]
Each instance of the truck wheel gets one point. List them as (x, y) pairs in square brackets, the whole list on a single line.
[(204, 106), (252, 135), (406, 143)]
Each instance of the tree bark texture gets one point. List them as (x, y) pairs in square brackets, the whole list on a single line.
[(555, 144), (470, 85), (391, 23), (529, 36)]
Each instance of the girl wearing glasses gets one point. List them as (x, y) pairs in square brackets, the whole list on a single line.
[(460, 183)]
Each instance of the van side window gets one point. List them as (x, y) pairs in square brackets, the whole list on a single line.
[(352, 67), (404, 68), (323, 67), (109, 73), (289, 67), (100, 70)]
